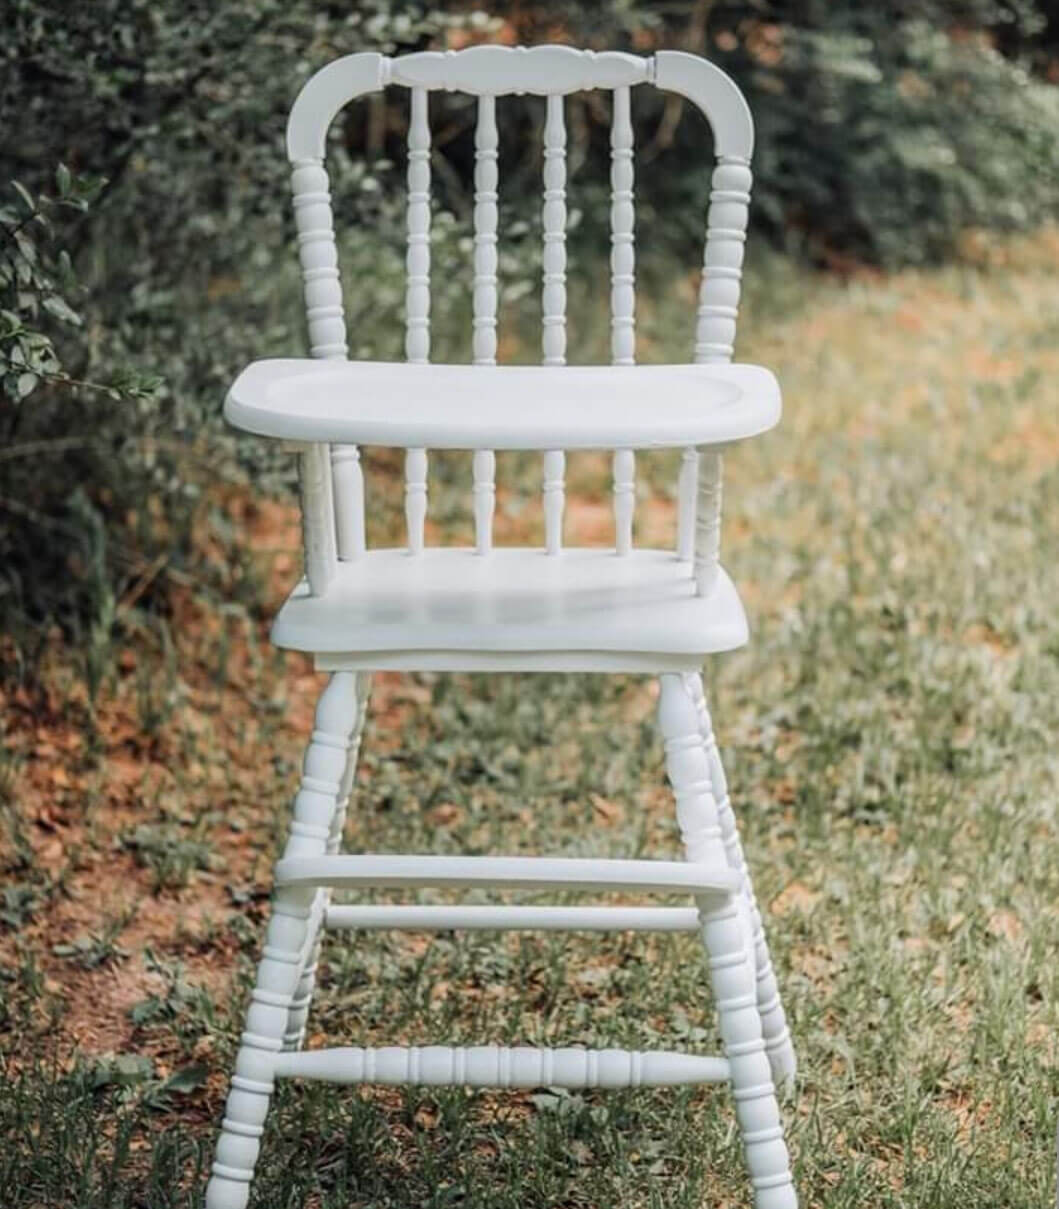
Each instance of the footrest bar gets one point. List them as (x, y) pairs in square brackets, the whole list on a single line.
[(502, 918), (502, 1067), (511, 872)]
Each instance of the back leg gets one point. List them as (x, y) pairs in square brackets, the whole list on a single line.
[(299, 1008), (731, 962), (778, 1042)]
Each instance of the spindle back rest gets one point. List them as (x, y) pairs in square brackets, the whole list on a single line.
[(332, 480)]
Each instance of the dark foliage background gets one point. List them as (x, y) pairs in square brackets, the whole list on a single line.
[(145, 248)]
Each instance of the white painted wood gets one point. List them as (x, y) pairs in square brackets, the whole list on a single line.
[(318, 256), (554, 71), (415, 497), (348, 479), (708, 521), (318, 531), (637, 663), (502, 1067), (553, 492), (501, 917), (324, 94), (715, 334), (297, 1017), (417, 300), (729, 951), (308, 957), (777, 1035), (362, 699), (517, 599), (553, 225), (687, 490), (726, 110), (624, 474), (723, 261), (417, 289), (287, 940), (501, 70), (716, 95), (486, 179), (511, 609), (622, 236), (504, 406), (510, 872), (483, 494), (553, 303), (622, 298)]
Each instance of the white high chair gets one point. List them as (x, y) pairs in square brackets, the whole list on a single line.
[(513, 610)]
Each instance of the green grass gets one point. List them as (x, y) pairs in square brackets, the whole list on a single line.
[(890, 736)]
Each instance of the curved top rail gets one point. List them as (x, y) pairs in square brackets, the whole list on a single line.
[(715, 93), (501, 70), (324, 94)]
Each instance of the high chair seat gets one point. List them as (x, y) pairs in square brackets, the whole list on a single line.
[(503, 406), (463, 607)]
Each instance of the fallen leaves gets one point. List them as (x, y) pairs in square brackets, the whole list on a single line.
[(1005, 925), (794, 897)]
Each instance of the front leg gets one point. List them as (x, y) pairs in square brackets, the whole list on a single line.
[(731, 962), (286, 942)]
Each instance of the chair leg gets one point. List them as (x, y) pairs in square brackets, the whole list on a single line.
[(303, 995), (287, 943), (778, 1042), (732, 972)]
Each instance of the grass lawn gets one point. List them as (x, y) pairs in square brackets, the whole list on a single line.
[(890, 736)]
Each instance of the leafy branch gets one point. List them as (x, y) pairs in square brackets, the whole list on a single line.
[(37, 288)]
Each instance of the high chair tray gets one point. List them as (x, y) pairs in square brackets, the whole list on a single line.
[(503, 407)]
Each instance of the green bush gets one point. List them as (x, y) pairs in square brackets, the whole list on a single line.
[(56, 475), (179, 234), (882, 136)]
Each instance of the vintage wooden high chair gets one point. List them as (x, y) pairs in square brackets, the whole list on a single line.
[(501, 609)]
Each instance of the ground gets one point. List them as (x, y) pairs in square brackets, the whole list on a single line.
[(890, 735)]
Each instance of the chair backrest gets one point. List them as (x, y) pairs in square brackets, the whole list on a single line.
[(333, 476)]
